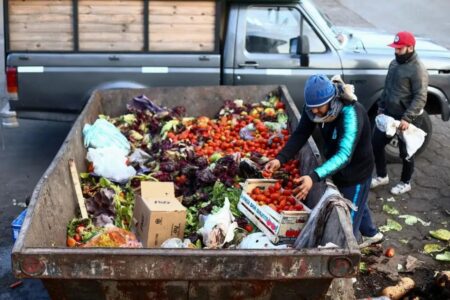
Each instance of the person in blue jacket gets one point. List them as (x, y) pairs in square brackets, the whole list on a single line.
[(346, 131)]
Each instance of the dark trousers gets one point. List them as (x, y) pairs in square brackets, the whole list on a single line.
[(361, 219), (379, 142)]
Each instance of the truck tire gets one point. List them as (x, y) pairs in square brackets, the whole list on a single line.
[(392, 152)]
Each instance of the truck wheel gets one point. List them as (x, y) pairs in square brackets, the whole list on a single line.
[(392, 152)]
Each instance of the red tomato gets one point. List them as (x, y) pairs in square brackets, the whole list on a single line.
[(248, 228), (277, 186)]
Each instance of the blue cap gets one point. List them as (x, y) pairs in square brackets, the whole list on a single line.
[(319, 90)]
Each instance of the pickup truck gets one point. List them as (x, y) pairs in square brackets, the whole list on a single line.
[(53, 69)]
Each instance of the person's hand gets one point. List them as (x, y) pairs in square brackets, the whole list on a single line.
[(272, 166), (403, 125), (302, 190)]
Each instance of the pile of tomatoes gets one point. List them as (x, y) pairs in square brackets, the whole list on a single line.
[(275, 197)]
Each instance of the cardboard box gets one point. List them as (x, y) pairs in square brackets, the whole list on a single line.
[(282, 227), (158, 215)]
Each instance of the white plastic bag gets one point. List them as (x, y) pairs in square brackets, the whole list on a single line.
[(103, 134), (178, 243), (258, 240), (110, 163), (218, 228), (413, 136), (387, 124)]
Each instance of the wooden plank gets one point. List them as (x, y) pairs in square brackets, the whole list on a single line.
[(111, 46), (110, 37), (77, 187), (110, 10), (185, 46), (44, 9), (38, 27), (38, 2), (94, 27), (182, 10), (106, 19), (40, 46), (45, 36), (110, 2), (156, 19), (182, 3), (176, 37), (40, 18)]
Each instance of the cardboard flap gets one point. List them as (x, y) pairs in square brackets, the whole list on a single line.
[(157, 190)]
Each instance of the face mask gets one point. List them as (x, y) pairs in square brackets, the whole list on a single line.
[(401, 59)]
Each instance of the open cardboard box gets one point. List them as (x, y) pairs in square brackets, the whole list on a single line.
[(281, 227), (158, 215)]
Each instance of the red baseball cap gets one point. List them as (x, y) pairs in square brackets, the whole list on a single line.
[(403, 39)]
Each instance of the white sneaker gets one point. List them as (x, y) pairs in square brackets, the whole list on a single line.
[(10, 122), (377, 181), (401, 188), (369, 240)]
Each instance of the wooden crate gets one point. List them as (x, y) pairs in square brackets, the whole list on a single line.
[(111, 25), (182, 25), (39, 25)]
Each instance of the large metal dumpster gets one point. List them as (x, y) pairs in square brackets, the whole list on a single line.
[(105, 273)]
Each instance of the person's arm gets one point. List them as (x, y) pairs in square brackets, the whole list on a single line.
[(298, 138), (419, 86), (351, 125)]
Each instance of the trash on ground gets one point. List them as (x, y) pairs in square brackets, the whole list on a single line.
[(16, 284), (412, 263), (443, 256), (390, 252), (431, 248), (397, 291), (391, 225), (441, 234), (411, 220), (390, 199), (390, 210)]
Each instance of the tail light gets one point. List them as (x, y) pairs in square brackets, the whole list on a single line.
[(340, 266), (32, 266), (11, 80)]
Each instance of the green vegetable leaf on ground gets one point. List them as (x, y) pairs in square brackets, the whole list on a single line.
[(444, 256), (390, 210), (391, 225), (412, 220), (430, 248), (441, 234)]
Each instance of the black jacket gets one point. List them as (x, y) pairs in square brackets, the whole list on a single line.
[(347, 146), (405, 90)]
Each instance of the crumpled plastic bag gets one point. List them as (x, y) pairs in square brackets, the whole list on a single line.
[(246, 132), (139, 157), (311, 234), (178, 243), (110, 163), (218, 228), (258, 240), (103, 134), (413, 136), (113, 236)]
